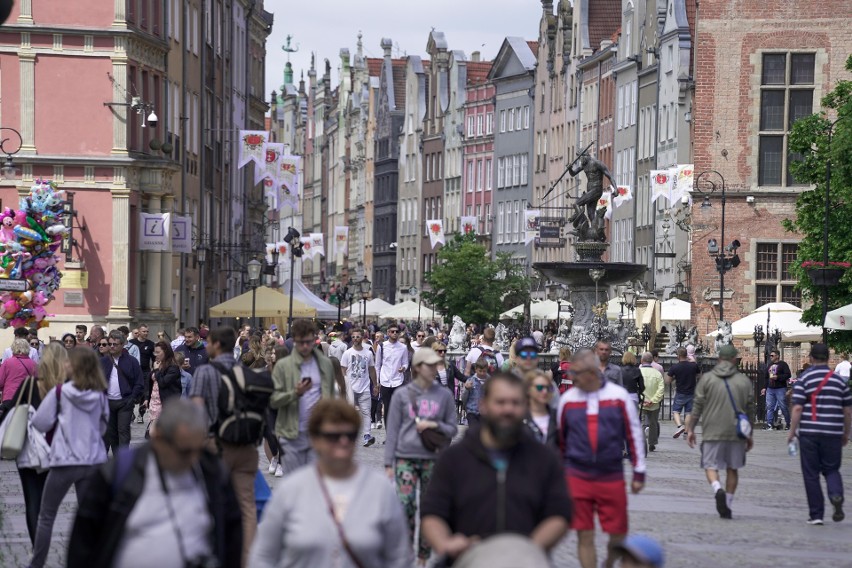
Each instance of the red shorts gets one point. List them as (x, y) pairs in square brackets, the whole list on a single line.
[(607, 498)]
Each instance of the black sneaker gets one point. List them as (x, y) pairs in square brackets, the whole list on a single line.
[(768, 427), (815, 522), (837, 503), (652, 447), (722, 504), (787, 427)]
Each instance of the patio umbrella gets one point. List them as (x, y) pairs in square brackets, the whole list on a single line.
[(782, 316), (268, 303), (409, 310), (841, 318), (374, 307), (675, 310)]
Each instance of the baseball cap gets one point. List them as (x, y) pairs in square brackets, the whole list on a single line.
[(728, 352), (273, 327), (644, 548), (526, 344), (425, 355), (819, 351)]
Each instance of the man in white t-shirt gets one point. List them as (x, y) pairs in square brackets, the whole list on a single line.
[(359, 367), (844, 367), (487, 345)]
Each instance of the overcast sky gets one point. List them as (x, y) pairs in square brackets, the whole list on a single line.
[(326, 26)]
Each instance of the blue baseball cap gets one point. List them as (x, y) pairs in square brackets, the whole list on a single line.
[(644, 549), (526, 344)]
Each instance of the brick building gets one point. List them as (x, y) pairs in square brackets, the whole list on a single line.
[(760, 65)]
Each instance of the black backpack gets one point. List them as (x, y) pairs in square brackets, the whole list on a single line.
[(488, 354), (243, 400)]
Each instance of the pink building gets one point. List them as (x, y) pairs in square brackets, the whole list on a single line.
[(477, 175)]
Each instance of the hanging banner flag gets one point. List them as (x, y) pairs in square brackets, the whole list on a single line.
[(317, 244), (605, 203), (182, 234), (436, 231), (661, 184), (531, 225), (683, 182), (341, 241), (289, 169), (252, 143), (272, 153), (155, 231), (621, 194), (307, 248), (270, 248), (469, 224)]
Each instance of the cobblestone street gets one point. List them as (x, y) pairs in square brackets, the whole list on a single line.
[(676, 507)]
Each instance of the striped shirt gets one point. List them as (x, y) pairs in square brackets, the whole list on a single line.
[(827, 417)]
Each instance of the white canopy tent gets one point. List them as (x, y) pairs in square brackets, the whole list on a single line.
[(613, 308), (675, 310), (782, 316), (541, 310), (374, 308), (324, 309), (841, 318), (410, 310)]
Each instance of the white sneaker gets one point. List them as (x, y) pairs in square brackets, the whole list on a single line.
[(140, 419), (279, 472), (372, 425), (273, 464)]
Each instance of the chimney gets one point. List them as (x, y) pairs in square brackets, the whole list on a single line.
[(387, 46), (475, 56)]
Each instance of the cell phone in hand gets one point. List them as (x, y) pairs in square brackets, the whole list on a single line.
[(306, 380)]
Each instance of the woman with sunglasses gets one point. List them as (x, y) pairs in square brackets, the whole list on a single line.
[(335, 512), (416, 407), (541, 417), (69, 341), (165, 381), (448, 374), (103, 347)]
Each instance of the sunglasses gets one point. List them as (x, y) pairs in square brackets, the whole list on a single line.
[(440, 351), (102, 345), (338, 436), (541, 388), (114, 344), (420, 336), (527, 354), (393, 331), (33, 343)]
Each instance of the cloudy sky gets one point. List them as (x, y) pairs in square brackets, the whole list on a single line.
[(326, 26)]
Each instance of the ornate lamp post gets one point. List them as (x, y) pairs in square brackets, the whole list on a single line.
[(8, 163), (343, 295), (556, 293), (758, 337), (296, 250), (364, 289), (253, 268)]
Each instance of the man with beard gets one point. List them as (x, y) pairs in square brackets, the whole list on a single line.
[(596, 420), (498, 479)]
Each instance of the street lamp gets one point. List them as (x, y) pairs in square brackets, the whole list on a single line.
[(8, 163), (630, 300), (726, 257), (364, 289), (758, 337), (296, 250), (556, 293), (201, 258), (253, 268), (343, 295)]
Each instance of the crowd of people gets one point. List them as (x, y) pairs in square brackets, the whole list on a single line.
[(487, 456)]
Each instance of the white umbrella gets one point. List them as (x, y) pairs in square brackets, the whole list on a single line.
[(514, 313), (841, 318), (409, 310), (675, 309), (374, 307), (546, 310), (782, 316)]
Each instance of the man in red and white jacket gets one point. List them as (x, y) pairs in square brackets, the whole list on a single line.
[(596, 419)]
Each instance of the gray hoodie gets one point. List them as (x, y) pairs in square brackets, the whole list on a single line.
[(403, 440), (83, 417)]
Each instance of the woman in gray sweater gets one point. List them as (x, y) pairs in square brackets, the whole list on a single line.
[(421, 405), (335, 512)]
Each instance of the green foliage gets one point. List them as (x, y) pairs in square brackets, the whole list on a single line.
[(469, 284), (819, 139)]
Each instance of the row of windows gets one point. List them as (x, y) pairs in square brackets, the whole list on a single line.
[(480, 124), (483, 224), (432, 209), (626, 105), (479, 175), (517, 118), (510, 222), (513, 170), (434, 166)]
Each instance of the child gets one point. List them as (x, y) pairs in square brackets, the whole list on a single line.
[(185, 377), (473, 388)]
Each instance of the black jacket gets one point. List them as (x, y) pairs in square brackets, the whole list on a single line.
[(168, 381), (474, 499), (104, 509), (454, 376), (783, 374), (552, 438), (130, 379), (632, 378)]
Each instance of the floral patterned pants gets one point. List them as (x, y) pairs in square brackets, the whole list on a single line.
[(407, 473)]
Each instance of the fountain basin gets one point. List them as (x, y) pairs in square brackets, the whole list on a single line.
[(576, 274)]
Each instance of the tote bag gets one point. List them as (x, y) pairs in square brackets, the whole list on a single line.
[(15, 432)]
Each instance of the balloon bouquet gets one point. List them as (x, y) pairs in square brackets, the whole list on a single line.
[(29, 239)]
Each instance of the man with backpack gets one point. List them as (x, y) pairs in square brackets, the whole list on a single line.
[(300, 380), (484, 350), (236, 399)]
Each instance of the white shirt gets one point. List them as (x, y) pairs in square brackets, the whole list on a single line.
[(313, 394), (150, 532), (843, 369), (543, 423), (389, 359), (114, 389), (415, 346), (475, 353), (33, 354), (357, 364)]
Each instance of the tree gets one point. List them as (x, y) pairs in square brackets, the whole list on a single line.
[(815, 139), (468, 284)]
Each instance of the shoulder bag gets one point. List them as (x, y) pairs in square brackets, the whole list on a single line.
[(432, 439), (346, 546), (743, 423), (15, 432)]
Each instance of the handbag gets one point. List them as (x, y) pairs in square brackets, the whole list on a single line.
[(432, 439), (743, 423), (15, 433), (346, 546), (36, 452)]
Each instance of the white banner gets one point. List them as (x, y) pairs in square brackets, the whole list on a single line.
[(155, 231), (341, 241), (307, 247), (317, 244), (531, 225), (272, 153), (622, 193), (182, 234), (469, 224), (289, 169), (436, 231), (605, 203), (661, 184), (252, 143), (683, 182)]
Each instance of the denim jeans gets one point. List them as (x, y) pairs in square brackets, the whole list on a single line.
[(59, 481), (362, 404), (776, 398), (820, 454)]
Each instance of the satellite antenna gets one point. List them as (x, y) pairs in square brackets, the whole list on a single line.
[(287, 47)]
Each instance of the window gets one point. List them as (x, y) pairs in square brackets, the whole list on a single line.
[(499, 231), (479, 175), (524, 168), (470, 127), (509, 171), (511, 119), (487, 219), (518, 118), (527, 116), (541, 95), (479, 123), (774, 282), (195, 31), (501, 177), (619, 117), (670, 66), (470, 176), (634, 94), (489, 123), (502, 121), (516, 221), (488, 174), (516, 170), (786, 95)]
